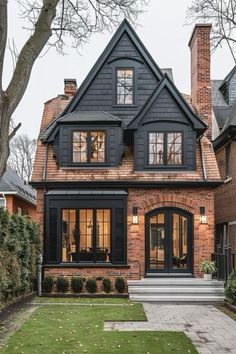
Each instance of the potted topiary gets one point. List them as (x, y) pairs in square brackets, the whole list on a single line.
[(208, 268)]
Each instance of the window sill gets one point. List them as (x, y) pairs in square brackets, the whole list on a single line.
[(124, 106), (227, 180), (165, 168), (89, 167), (85, 265)]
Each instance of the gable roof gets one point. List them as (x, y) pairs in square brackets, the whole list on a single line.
[(228, 77), (124, 28), (12, 183), (82, 117), (166, 82)]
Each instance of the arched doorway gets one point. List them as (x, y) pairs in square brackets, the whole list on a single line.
[(168, 246)]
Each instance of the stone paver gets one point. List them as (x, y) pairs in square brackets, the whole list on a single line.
[(210, 330)]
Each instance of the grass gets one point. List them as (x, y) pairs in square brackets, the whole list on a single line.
[(79, 329)]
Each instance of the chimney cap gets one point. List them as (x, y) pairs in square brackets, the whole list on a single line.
[(198, 25), (70, 81)]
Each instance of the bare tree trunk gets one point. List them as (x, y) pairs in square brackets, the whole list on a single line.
[(4, 132)]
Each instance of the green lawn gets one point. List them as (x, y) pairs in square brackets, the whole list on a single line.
[(64, 329)]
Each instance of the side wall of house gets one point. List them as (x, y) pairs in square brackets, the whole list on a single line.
[(225, 195)]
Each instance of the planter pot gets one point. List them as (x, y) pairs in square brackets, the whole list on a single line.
[(207, 277)]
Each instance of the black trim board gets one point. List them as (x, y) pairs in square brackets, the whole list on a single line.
[(125, 184)]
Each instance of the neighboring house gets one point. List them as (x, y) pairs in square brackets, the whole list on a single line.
[(224, 128), (125, 175), (16, 195)]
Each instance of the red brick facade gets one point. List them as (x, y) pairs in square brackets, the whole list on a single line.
[(13, 203)]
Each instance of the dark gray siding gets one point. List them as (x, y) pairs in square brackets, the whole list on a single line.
[(114, 144), (232, 89), (101, 93), (164, 116)]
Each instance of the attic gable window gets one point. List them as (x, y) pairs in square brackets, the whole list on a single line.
[(89, 146), (124, 86), (165, 148)]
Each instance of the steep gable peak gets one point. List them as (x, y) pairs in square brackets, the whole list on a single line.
[(124, 29), (167, 84)]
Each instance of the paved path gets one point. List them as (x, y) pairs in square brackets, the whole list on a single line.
[(210, 330)]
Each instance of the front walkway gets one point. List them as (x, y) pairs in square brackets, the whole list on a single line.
[(210, 330)]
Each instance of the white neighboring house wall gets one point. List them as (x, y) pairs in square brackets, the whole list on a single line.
[(215, 128)]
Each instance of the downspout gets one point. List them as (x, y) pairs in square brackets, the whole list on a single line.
[(45, 162), (40, 265), (202, 159)]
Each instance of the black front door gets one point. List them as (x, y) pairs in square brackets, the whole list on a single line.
[(168, 241)]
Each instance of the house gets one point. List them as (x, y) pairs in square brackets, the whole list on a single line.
[(16, 195), (125, 174), (224, 129)]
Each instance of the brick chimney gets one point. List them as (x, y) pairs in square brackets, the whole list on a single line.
[(200, 73), (70, 87)]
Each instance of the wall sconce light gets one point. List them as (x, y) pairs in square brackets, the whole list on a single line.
[(135, 215), (203, 217)]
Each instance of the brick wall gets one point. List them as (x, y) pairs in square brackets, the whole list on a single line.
[(13, 203), (200, 73)]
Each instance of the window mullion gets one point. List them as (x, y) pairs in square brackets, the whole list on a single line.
[(89, 147), (165, 141), (94, 235)]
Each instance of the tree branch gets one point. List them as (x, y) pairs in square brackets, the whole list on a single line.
[(13, 133), (29, 54)]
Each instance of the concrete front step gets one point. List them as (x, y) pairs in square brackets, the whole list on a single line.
[(176, 282), (176, 290), (192, 290), (177, 299), (169, 275)]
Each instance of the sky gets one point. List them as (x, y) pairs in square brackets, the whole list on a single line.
[(161, 28)]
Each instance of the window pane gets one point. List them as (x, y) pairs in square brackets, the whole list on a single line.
[(85, 235), (124, 86), (179, 241), (80, 146), (156, 148), (97, 146), (2, 202), (103, 235), (68, 235), (174, 148)]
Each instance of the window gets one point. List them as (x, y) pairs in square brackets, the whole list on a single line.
[(89, 146), (2, 202), (124, 86), (91, 237), (165, 148)]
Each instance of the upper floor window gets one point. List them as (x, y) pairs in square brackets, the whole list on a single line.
[(124, 86), (165, 148), (89, 146)]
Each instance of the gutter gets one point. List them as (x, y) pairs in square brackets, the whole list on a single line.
[(202, 159)]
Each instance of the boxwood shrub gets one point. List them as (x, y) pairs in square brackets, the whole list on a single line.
[(77, 284), (106, 285), (62, 284), (91, 285), (120, 284), (47, 284), (230, 289)]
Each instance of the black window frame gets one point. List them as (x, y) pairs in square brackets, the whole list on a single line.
[(88, 142), (133, 86), (116, 204), (165, 165)]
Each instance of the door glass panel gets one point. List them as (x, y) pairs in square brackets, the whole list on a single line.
[(179, 241), (68, 235), (103, 235), (157, 241), (85, 235)]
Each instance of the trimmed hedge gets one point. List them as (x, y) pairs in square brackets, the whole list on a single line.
[(106, 285), (62, 284), (91, 285), (230, 289), (19, 255), (120, 284), (77, 284)]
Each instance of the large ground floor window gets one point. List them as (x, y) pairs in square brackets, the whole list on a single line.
[(82, 229), (86, 235)]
